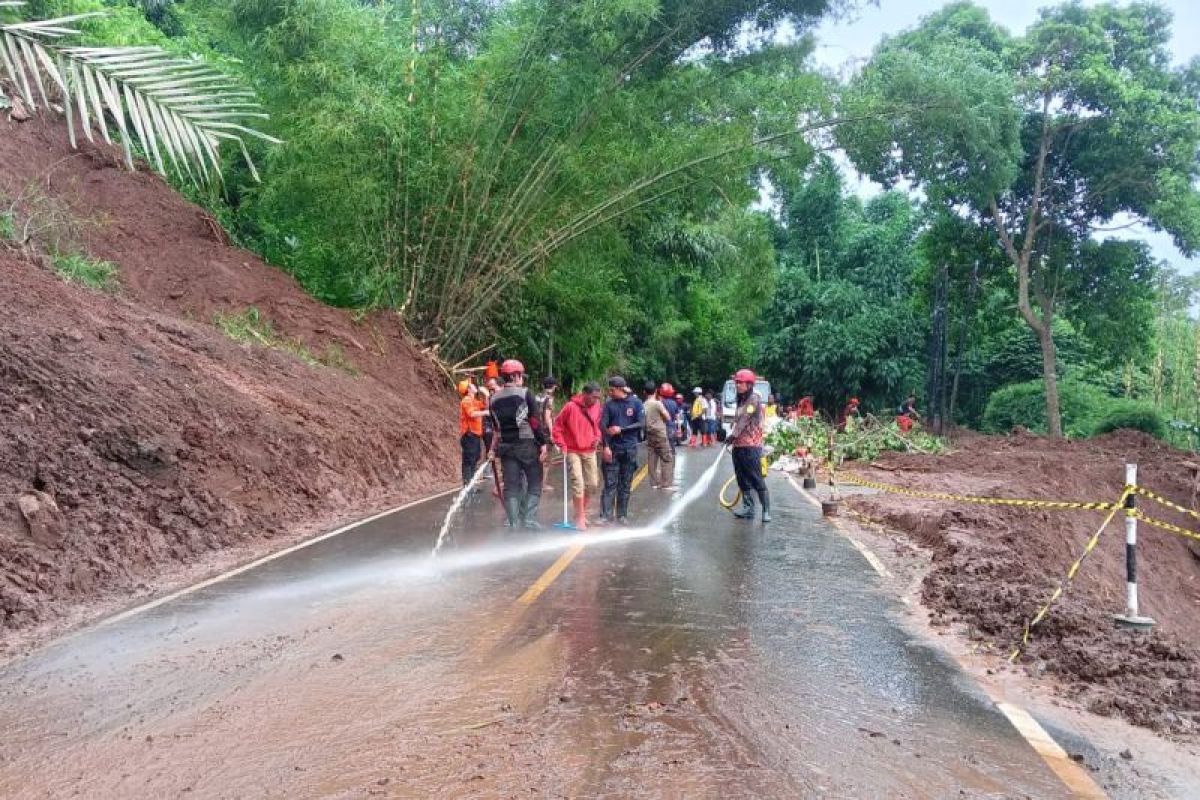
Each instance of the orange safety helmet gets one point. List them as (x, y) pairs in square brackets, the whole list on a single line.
[(491, 370), (464, 386)]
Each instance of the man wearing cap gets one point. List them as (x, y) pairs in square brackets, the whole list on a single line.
[(621, 422), (745, 441), (520, 444)]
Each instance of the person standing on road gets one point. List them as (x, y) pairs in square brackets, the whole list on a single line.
[(660, 454), (621, 422), (521, 445), (471, 411), (576, 432), (545, 403), (745, 441), (696, 417), (681, 420), (712, 417)]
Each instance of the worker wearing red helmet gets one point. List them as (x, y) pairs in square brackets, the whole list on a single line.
[(660, 455), (850, 412), (520, 444), (746, 441)]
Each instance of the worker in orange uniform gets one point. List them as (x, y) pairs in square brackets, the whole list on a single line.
[(848, 413), (471, 411)]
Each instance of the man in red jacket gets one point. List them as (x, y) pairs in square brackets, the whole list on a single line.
[(577, 433)]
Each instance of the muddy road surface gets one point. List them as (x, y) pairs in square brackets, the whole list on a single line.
[(717, 658)]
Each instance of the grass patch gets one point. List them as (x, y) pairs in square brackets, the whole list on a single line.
[(90, 272), (8, 226), (251, 327)]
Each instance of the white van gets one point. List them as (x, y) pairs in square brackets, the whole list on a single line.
[(729, 401)]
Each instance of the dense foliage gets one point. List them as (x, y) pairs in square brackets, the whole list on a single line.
[(581, 185)]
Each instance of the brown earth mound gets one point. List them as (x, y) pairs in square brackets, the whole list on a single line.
[(136, 437), (993, 566)]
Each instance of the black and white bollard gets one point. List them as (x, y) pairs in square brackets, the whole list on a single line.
[(1131, 618)]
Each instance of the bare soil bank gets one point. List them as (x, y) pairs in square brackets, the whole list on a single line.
[(137, 438)]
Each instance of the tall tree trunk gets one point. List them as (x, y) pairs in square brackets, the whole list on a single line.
[(968, 316), (1050, 375)]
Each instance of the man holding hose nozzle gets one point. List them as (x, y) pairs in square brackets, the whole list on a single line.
[(746, 442)]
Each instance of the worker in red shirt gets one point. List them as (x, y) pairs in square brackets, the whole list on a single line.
[(805, 408), (576, 432), (848, 413)]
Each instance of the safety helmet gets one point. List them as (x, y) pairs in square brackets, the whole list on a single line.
[(512, 367), (464, 387), (491, 370), (697, 390), (744, 376), (853, 401), (666, 390)]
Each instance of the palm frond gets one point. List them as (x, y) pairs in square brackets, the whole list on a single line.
[(179, 109)]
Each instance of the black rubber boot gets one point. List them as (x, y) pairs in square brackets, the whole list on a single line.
[(512, 509), (531, 508), (747, 511), (764, 497)]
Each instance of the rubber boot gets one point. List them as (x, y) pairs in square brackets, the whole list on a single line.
[(580, 513), (764, 497), (512, 509), (531, 508), (692, 441), (747, 510)]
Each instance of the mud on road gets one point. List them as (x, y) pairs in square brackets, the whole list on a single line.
[(991, 567)]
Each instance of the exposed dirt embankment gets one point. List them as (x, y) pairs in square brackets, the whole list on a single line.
[(137, 438), (993, 566)]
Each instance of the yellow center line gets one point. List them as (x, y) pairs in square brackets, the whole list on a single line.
[(554, 570)]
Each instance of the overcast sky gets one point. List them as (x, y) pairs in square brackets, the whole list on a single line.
[(854, 38)]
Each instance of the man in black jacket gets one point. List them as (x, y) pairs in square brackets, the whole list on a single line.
[(520, 444), (621, 422)]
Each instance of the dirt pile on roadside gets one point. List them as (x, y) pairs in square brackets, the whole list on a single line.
[(138, 438), (993, 566)]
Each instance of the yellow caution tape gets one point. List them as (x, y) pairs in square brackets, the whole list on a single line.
[(1166, 526), (1062, 585), (1059, 505), (1164, 501)]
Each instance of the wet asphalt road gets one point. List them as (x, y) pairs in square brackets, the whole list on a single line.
[(715, 659)]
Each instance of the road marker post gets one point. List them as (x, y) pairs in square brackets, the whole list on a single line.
[(1131, 618)]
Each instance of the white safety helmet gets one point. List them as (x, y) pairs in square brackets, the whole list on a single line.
[(697, 390)]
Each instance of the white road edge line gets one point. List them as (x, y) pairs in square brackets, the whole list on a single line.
[(866, 552), (195, 587), (1071, 774)]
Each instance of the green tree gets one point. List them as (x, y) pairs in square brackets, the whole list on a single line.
[(1046, 138)]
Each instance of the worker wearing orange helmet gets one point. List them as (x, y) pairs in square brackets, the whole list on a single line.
[(660, 455), (520, 442), (746, 446), (850, 412), (471, 411)]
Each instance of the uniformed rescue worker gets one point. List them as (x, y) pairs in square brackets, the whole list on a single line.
[(621, 423), (745, 441), (520, 444)]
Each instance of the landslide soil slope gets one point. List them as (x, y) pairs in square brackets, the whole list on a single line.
[(994, 566), (137, 439)]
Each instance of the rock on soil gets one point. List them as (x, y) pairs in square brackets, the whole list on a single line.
[(137, 438), (993, 566)]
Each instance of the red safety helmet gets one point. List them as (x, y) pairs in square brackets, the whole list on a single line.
[(666, 390), (853, 401), (512, 367), (744, 376)]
